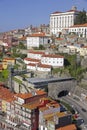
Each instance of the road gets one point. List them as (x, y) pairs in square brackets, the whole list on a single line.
[(77, 104)]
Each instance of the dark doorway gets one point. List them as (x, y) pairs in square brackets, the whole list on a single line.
[(63, 93)]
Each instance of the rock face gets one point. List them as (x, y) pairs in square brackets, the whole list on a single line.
[(55, 88)]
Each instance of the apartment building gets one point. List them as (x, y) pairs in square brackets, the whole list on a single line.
[(31, 60), (62, 20), (39, 67), (33, 110), (35, 54), (44, 68), (43, 62), (53, 60), (50, 108), (36, 39), (55, 120), (23, 112)]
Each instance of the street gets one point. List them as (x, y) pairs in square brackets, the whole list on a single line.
[(77, 104)]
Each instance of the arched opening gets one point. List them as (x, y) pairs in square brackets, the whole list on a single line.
[(63, 93)]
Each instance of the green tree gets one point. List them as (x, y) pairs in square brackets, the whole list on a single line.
[(81, 17), (22, 45), (41, 47)]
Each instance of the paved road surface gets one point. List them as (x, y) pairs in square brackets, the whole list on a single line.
[(77, 104)]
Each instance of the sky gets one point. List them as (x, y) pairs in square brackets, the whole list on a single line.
[(16, 14)]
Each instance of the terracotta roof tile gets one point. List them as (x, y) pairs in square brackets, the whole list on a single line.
[(5, 93), (44, 66), (57, 12), (33, 60), (79, 25), (84, 46), (8, 59), (40, 92), (38, 35), (24, 95), (29, 95), (32, 105), (36, 52), (59, 39), (68, 127), (53, 56), (31, 64), (72, 11)]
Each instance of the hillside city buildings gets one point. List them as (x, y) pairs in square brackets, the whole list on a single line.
[(37, 39), (29, 107), (32, 111), (43, 62)]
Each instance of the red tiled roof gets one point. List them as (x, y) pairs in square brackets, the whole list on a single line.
[(8, 58), (37, 35), (59, 39), (53, 56), (30, 59), (24, 95), (36, 52), (84, 46), (5, 93), (56, 12), (10, 99), (31, 64), (44, 66), (68, 127), (40, 92), (79, 25), (29, 95), (72, 10)]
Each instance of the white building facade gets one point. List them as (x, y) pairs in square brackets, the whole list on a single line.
[(62, 20), (39, 61), (53, 60), (80, 30), (35, 40), (35, 55), (39, 67)]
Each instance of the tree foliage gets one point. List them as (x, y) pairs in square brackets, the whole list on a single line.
[(81, 18)]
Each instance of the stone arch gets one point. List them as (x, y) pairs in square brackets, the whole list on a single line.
[(55, 88)]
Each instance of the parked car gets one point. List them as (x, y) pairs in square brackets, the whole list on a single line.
[(84, 110)]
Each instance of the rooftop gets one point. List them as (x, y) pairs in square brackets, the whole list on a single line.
[(29, 95), (68, 127), (52, 56), (36, 52), (33, 60), (47, 80)]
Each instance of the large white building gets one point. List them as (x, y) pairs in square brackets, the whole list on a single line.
[(62, 20), (80, 30)]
